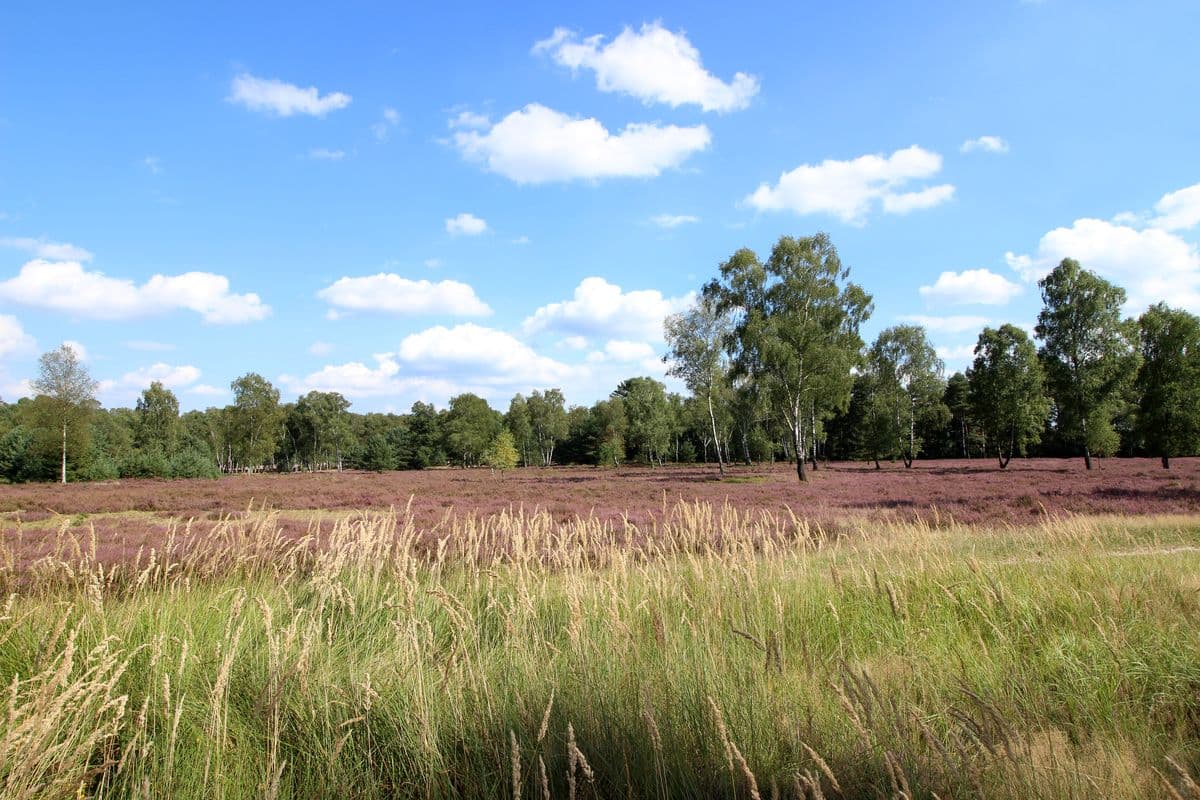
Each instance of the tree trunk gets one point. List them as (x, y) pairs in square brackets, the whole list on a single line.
[(712, 418), (1087, 456), (1166, 462), (798, 442), (64, 452)]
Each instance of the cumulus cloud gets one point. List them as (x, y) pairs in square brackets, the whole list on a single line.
[(320, 348), (537, 144), (602, 309), (67, 287), (624, 351), (652, 64), (1152, 264), (208, 390), (283, 99), (13, 338), (851, 190), (43, 248), (391, 293), (980, 286), (673, 220), (984, 144), (171, 376), (440, 362), (1178, 211), (956, 356), (466, 225), (77, 348)]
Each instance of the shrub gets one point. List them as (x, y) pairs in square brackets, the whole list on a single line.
[(193, 463), (145, 464)]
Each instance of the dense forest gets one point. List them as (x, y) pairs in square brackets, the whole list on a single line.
[(775, 369)]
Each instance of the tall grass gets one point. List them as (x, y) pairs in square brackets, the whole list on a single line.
[(713, 653)]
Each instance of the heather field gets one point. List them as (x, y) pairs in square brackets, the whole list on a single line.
[(946, 631)]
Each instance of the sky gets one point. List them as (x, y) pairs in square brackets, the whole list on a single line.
[(404, 203)]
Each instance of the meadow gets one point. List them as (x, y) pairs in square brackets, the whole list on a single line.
[(946, 631)]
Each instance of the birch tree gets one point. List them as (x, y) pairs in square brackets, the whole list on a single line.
[(795, 329), (69, 392), (696, 342)]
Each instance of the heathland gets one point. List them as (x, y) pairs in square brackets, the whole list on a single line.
[(918, 632)]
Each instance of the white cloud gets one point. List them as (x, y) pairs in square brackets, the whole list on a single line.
[(954, 323), (521, 240), (154, 164), (850, 190), (466, 225), (985, 144), (41, 248), (13, 338), (624, 351), (439, 362), (956, 356), (673, 220), (980, 286), (170, 376), (391, 293), (653, 65), (77, 348), (324, 154), (1178, 210), (469, 120), (602, 309), (538, 145), (320, 348), (284, 99), (208, 390), (383, 128), (1151, 264), (66, 286), (575, 342), (905, 202)]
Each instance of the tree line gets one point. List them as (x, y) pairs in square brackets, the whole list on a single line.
[(775, 369)]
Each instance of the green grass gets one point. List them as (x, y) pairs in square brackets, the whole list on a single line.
[(717, 655)]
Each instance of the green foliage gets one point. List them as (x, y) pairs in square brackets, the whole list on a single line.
[(1007, 391), (795, 336), (647, 417), (1089, 354), (502, 453), (607, 425), (378, 455), (191, 462), (157, 419), (905, 390), (518, 424), (547, 421), (1169, 382), (470, 427), (425, 438), (256, 421), (66, 396), (696, 341)]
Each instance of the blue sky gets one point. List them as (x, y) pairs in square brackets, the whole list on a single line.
[(403, 203)]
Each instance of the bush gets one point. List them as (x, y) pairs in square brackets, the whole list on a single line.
[(145, 464), (193, 463), (100, 467)]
